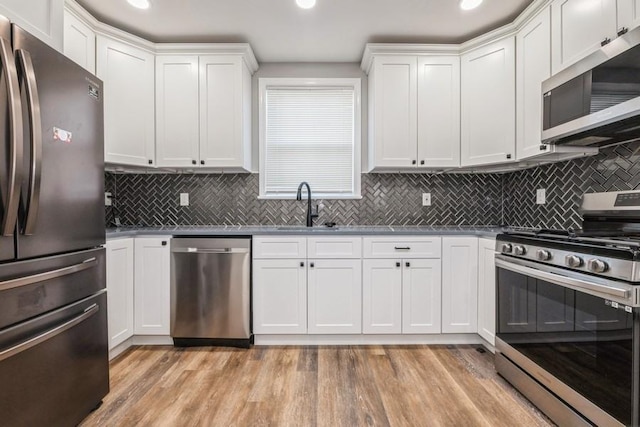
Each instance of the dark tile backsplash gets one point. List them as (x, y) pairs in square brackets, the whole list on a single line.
[(388, 199), (153, 199)]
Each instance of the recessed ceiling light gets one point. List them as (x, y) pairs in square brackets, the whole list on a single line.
[(306, 4), (469, 4), (140, 4)]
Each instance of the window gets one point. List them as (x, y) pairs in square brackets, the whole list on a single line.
[(310, 131)]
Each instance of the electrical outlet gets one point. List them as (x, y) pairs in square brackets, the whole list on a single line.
[(184, 199), (108, 201), (541, 196), (426, 199)]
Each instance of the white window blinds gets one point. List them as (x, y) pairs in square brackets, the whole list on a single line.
[(309, 135)]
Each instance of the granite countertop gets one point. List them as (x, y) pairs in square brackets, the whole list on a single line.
[(246, 230)]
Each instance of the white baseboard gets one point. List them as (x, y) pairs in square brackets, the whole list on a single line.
[(361, 339)]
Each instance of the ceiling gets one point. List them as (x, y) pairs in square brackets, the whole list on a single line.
[(333, 31)]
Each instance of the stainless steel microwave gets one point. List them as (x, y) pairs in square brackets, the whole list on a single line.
[(595, 101)]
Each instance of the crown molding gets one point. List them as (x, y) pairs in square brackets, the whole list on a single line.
[(241, 49)]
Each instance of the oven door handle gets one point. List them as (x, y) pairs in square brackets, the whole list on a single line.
[(569, 282)]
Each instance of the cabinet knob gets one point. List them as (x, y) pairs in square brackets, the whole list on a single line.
[(301, 264), (193, 162), (407, 264), (422, 162), (605, 42), (622, 31), (202, 162), (397, 264), (413, 162), (150, 161), (312, 265), (543, 147), (164, 243), (508, 156)]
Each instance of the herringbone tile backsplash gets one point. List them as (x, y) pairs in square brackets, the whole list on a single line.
[(388, 199)]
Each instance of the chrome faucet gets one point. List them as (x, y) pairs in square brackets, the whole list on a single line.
[(310, 214)]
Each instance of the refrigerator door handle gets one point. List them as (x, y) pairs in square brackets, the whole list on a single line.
[(25, 345), (16, 149), (27, 76), (53, 274)]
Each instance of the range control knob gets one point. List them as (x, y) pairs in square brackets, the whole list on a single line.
[(573, 261), (543, 255), (597, 265), (507, 248), (520, 250)]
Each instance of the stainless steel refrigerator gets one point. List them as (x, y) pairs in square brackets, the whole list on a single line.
[(53, 315)]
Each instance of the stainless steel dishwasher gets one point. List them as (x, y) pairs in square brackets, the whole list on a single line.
[(211, 291)]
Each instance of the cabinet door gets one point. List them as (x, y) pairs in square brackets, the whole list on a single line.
[(578, 28), (177, 111), (43, 18), (487, 290), (335, 296), (533, 66), (225, 115), (459, 285), (394, 111), (382, 296), (128, 75), (628, 14), (421, 296), (439, 111), (152, 286), (79, 42), (119, 290), (488, 104), (280, 296)]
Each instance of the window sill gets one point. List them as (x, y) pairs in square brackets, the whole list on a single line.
[(313, 197)]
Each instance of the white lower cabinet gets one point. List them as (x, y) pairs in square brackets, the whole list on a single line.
[(460, 285), (487, 290), (120, 260), (152, 277), (335, 296), (401, 296), (279, 296)]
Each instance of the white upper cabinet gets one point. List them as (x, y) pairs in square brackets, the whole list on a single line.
[(42, 18), (628, 14), (438, 111), (579, 27), (225, 112), (203, 111), (177, 109), (393, 112), (128, 76), (533, 66), (414, 110), (488, 104), (79, 42)]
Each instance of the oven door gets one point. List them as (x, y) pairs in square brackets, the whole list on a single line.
[(574, 334)]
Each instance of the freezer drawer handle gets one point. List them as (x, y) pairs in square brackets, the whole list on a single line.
[(211, 251), (53, 274), (16, 150), (28, 74), (88, 312)]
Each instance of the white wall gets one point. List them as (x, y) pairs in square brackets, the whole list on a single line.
[(310, 70)]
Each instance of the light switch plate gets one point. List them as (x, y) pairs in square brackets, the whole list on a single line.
[(184, 199), (426, 199), (541, 196)]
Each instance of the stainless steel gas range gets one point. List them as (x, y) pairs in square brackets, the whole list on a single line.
[(568, 314)]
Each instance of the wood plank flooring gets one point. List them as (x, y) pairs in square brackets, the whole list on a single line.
[(311, 386)]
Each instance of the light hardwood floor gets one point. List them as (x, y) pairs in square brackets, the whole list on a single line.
[(309, 386)]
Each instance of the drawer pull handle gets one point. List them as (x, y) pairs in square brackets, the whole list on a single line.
[(403, 248)]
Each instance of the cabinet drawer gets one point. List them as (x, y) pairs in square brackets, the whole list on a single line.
[(279, 247), (403, 247), (339, 247)]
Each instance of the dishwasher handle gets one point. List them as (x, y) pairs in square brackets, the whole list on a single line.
[(211, 251)]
